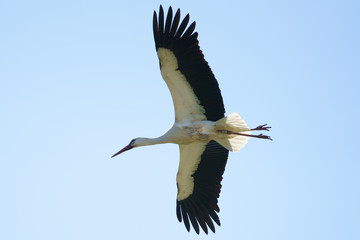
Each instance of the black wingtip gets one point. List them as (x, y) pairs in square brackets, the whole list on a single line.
[(178, 211), (185, 217), (192, 217)]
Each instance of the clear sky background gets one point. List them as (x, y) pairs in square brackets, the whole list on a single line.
[(80, 79)]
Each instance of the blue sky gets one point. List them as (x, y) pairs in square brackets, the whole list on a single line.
[(80, 79)]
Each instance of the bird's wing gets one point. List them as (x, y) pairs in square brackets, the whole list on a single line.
[(194, 89), (198, 180)]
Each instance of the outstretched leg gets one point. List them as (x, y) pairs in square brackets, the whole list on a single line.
[(258, 128), (250, 135)]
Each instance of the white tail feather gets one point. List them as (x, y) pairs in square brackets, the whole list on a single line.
[(232, 123)]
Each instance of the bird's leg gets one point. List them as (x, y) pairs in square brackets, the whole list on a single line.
[(250, 135), (258, 128)]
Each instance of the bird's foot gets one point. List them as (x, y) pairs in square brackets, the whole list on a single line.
[(261, 127), (261, 136)]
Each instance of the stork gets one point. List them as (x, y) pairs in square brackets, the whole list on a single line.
[(204, 135)]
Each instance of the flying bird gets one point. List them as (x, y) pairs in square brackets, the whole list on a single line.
[(204, 135)]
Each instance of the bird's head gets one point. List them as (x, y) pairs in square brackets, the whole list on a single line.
[(131, 145)]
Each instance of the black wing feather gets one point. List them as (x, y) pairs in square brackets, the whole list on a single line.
[(182, 26), (191, 62), (175, 23), (167, 26), (192, 215), (202, 203), (200, 216), (206, 215), (184, 213)]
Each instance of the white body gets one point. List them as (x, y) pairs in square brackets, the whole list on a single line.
[(192, 139)]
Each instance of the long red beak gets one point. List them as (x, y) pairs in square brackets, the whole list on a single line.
[(128, 147)]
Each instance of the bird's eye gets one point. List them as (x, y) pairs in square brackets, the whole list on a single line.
[(132, 142)]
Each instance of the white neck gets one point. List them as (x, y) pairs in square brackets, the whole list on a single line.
[(150, 141), (170, 136)]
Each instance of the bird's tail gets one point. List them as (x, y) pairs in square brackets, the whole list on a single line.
[(233, 132)]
